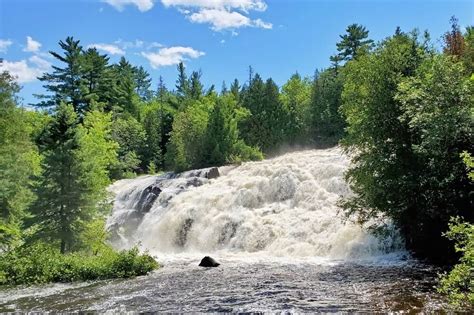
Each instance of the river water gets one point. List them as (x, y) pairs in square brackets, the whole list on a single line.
[(275, 227)]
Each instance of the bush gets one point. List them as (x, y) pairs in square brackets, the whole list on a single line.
[(458, 284), (42, 263)]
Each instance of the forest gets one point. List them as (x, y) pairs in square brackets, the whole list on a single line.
[(401, 108)]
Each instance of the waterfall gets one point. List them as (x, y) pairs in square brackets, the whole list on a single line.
[(285, 206)]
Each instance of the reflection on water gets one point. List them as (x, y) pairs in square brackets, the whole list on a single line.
[(237, 286)]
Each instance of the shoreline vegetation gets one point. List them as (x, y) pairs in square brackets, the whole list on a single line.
[(402, 108)]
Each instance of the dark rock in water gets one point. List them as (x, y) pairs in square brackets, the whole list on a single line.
[(148, 197), (213, 173), (183, 232), (208, 262)]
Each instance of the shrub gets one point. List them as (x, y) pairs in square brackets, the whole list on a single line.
[(42, 263)]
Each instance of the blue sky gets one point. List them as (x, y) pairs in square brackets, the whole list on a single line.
[(220, 37)]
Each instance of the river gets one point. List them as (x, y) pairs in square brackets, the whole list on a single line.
[(277, 230)]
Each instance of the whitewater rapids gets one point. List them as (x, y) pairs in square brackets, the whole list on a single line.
[(281, 207)]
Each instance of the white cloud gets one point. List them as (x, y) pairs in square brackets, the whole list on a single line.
[(31, 44), (142, 5), (155, 45), (220, 19), (223, 19), (129, 44), (40, 63), (262, 24), (171, 56), (244, 5), (109, 48), (4, 44), (24, 71), (221, 14)]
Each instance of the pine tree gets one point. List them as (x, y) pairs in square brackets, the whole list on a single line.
[(235, 89), (142, 84), (182, 83), (96, 78), (124, 97), (327, 124), (75, 174), (224, 89), (196, 87), (153, 125), (65, 83), (353, 41), (57, 213)]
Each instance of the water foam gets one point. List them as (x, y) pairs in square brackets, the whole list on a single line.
[(281, 207)]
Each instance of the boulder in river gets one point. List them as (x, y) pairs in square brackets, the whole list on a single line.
[(208, 262), (212, 173), (148, 197)]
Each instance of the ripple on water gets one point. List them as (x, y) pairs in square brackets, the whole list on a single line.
[(237, 286)]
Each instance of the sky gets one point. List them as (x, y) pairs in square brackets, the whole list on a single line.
[(219, 37)]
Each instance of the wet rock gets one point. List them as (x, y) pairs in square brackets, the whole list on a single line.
[(208, 262), (148, 197), (213, 173)]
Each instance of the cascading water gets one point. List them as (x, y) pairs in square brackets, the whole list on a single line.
[(277, 231), (285, 206)]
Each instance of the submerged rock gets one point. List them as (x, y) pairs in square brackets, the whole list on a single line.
[(208, 262)]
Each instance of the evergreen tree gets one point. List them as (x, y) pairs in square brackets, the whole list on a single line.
[(224, 89), (265, 126), (353, 41), (195, 85), (125, 99), (235, 89), (74, 177), (96, 78), (153, 126), (327, 124), (182, 83), (57, 212), (161, 91), (65, 83), (142, 84)]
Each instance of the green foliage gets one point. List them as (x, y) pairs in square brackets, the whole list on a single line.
[(265, 126), (458, 284), (96, 154), (295, 96), (43, 263), (326, 121), (74, 177), (221, 141), (158, 123), (185, 147), (408, 117), (19, 160), (131, 137)]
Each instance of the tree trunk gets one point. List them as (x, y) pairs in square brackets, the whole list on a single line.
[(63, 246)]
